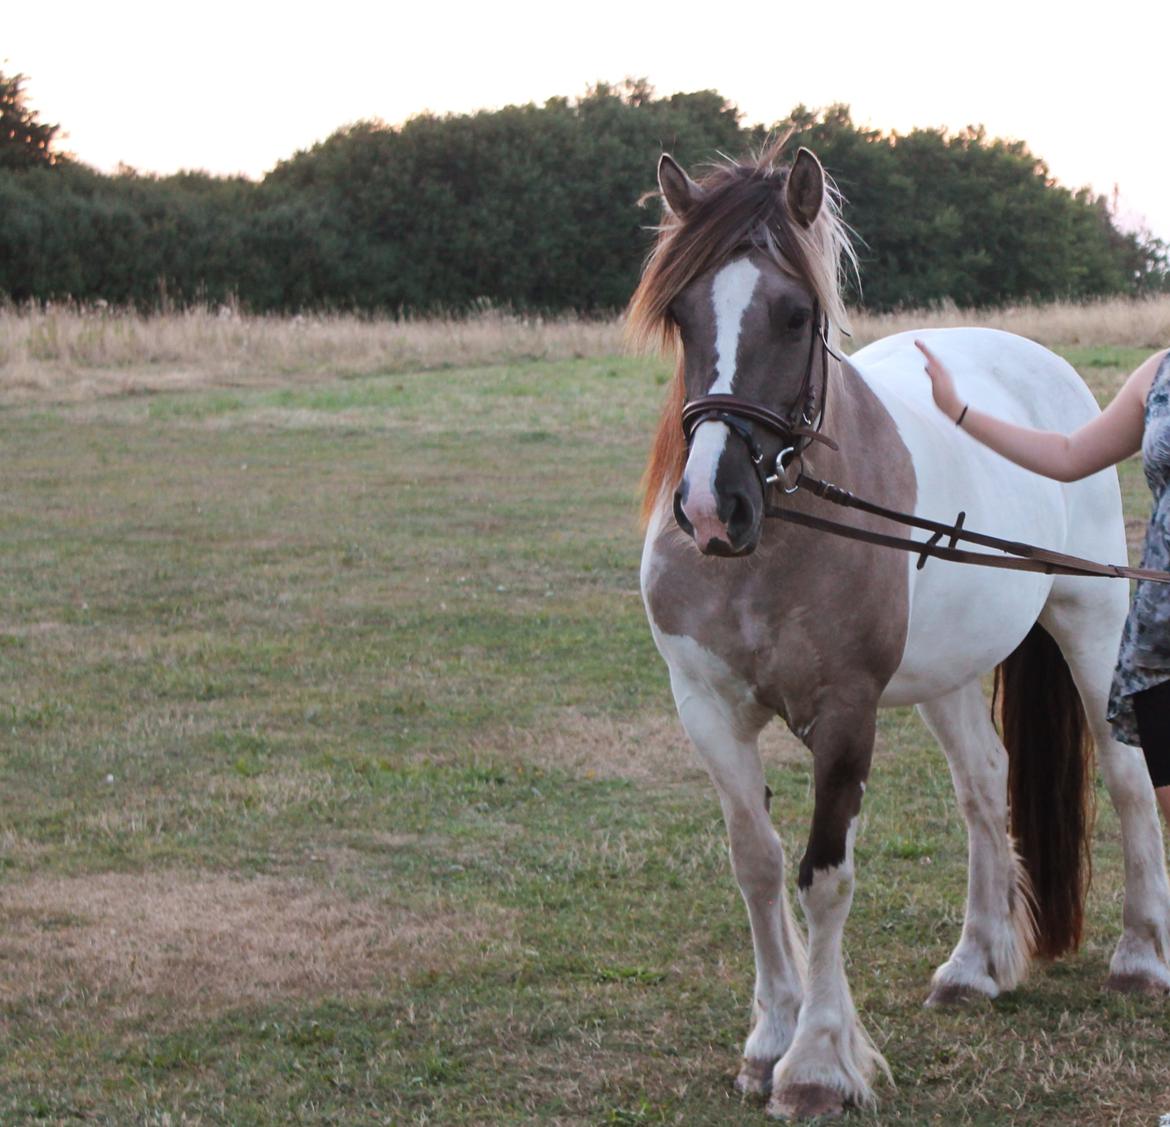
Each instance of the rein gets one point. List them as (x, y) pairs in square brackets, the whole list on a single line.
[(1019, 556)]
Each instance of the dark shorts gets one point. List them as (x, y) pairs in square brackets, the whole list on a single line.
[(1152, 709)]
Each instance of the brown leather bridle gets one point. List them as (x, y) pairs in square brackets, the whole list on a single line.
[(797, 430)]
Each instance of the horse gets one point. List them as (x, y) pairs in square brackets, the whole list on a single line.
[(759, 618)]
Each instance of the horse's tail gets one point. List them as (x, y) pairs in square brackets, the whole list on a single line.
[(1050, 785)]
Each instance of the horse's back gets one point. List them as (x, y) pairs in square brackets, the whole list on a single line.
[(987, 612), (1029, 383)]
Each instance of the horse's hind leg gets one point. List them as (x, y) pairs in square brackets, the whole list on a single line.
[(1083, 621), (724, 731), (997, 939)]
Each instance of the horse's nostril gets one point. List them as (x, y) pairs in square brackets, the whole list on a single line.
[(736, 512), (679, 515), (741, 512)]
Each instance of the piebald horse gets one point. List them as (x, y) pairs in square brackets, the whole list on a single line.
[(758, 618)]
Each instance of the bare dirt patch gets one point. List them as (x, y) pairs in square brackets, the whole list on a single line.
[(187, 942), (651, 748), (30, 629)]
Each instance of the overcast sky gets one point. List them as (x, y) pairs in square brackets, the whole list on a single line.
[(235, 87)]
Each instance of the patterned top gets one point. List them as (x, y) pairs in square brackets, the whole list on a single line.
[(1144, 658)]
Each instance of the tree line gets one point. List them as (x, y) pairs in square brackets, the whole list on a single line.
[(540, 208)]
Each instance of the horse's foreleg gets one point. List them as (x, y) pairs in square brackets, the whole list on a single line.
[(997, 939), (832, 1060), (726, 743), (1139, 962)]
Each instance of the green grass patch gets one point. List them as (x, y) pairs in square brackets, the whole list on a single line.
[(376, 643)]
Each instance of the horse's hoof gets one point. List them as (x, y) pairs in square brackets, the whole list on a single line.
[(948, 995), (806, 1101), (755, 1077), (1137, 984)]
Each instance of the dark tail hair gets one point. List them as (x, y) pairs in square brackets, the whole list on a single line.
[(1050, 785)]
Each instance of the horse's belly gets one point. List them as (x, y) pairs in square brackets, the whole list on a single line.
[(962, 627), (965, 619)]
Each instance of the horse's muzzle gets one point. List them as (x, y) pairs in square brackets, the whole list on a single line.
[(734, 530)]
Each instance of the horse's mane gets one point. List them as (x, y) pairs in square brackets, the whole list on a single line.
[(741, 202)]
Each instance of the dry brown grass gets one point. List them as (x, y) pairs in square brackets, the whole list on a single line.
[(646, 749), (1125, 322), (124, 944), (72, 354)]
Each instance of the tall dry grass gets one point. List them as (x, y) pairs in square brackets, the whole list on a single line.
[(1127, 322), (78, 353), (70, 353)]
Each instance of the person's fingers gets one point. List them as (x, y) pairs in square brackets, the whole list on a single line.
[(933, 366)]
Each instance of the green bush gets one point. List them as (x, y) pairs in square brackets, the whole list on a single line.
[(537, 208)]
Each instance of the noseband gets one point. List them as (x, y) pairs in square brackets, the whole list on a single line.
[(796, 431)]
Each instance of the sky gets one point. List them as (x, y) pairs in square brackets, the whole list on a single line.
[(236, 87)]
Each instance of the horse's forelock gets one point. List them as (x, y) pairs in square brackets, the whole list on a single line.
[(741, 203)]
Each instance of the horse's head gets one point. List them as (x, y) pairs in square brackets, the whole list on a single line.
[(738, 280), (747, 328)]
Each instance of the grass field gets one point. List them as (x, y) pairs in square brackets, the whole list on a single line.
[(340, 781)]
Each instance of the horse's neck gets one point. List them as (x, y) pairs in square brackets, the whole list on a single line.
[(841, 413), (865, 434)]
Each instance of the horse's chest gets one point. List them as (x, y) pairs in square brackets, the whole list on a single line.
[(730, 611), (786, 631)]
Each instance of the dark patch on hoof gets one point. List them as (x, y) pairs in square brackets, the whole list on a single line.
[(755, 1077), (806, 1101), (950, 995), (1136, 984)]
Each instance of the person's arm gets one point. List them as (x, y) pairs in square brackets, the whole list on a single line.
[(1111, 437)]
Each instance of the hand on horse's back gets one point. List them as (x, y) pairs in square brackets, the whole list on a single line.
[(942, 385)]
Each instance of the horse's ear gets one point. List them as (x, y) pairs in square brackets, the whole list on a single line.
[(806, 188), (678, 189)]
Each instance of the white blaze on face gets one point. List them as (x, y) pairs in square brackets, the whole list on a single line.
[(731, 294)]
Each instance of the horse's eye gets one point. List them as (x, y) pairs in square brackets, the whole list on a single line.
[(798, 320)]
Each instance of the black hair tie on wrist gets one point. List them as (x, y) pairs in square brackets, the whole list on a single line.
[(962, 415)]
